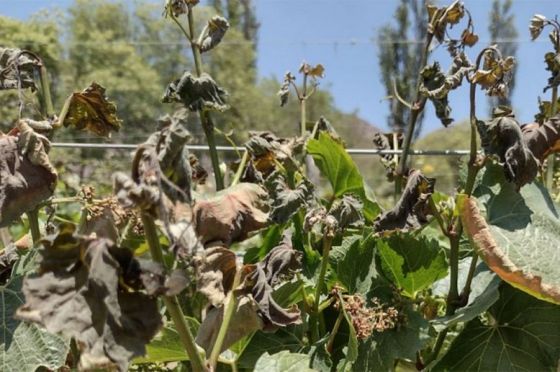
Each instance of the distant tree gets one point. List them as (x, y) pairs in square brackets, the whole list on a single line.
[(503, 33), (400, 49)]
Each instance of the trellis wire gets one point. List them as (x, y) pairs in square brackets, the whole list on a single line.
[(129, 146)]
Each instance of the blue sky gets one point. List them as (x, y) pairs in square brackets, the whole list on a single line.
[(340, 34)]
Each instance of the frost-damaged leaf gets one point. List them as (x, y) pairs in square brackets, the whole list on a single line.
[(347, 212), (341, 171), (317, 71), (515, 240), (552, 61), (436, 86), (26, 347), (213, 33), (285, 202), (543, 139), (256, 308), (79, 292), (284, 92), (27, 177), (388, 141), (266, 149), (91, 111), (502, 136), (231, 215), (522, 333), (283, 361), (412, 209), (536, 26), (411, 264), (170, 145), (196, 93), (440, 18), (495, 74), (16, 64)]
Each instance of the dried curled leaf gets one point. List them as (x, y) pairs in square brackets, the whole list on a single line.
[(536, 25), (542, 139), (323, 125), (347, 211), (256, 308), (502, 136), (469, 38), (284, 92), (317, 71), (266, 149), (17, 68), (412, 209), (27, 177), (79, 292), (388, 141), (213, 33), (170, 145), (199, 175), (436, 86), (91, 111), (552, 61), (176, 8), (285, 202), (495, 74), (440, 18), (231, 215), (196, 93)]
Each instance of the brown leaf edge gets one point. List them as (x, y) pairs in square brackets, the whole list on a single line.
[(497, 260)]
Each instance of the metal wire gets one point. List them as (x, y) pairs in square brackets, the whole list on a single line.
[(129, 146)]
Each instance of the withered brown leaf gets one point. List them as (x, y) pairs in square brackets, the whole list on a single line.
[(79, 292), (231, 215), (412, 209), (17, 68), (91, 111)]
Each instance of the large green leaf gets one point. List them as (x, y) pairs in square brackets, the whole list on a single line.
[(379, 352), (283, 361), (519, 237), (261, 342), (341, 171), (25, 347), (411, 263), (521, 333), (354, 264)]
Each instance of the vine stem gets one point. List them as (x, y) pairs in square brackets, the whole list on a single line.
[(334, 331), (302, 104), (205, 119), (327, 244), (33, 217), (417, 108), (552, 157), (240, 169), (48, 107), (229, 310), (171, 303), (455, 235)]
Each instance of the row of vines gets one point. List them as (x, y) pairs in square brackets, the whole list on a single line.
[(277, 271)]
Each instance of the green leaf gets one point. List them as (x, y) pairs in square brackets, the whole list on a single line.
[(379, 352), (23, 346), (484, 293), (261, 342), (517, 240), (521, 333), (411, 263), (354, 263), (341, 171), (283, 361), (167, 346)]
